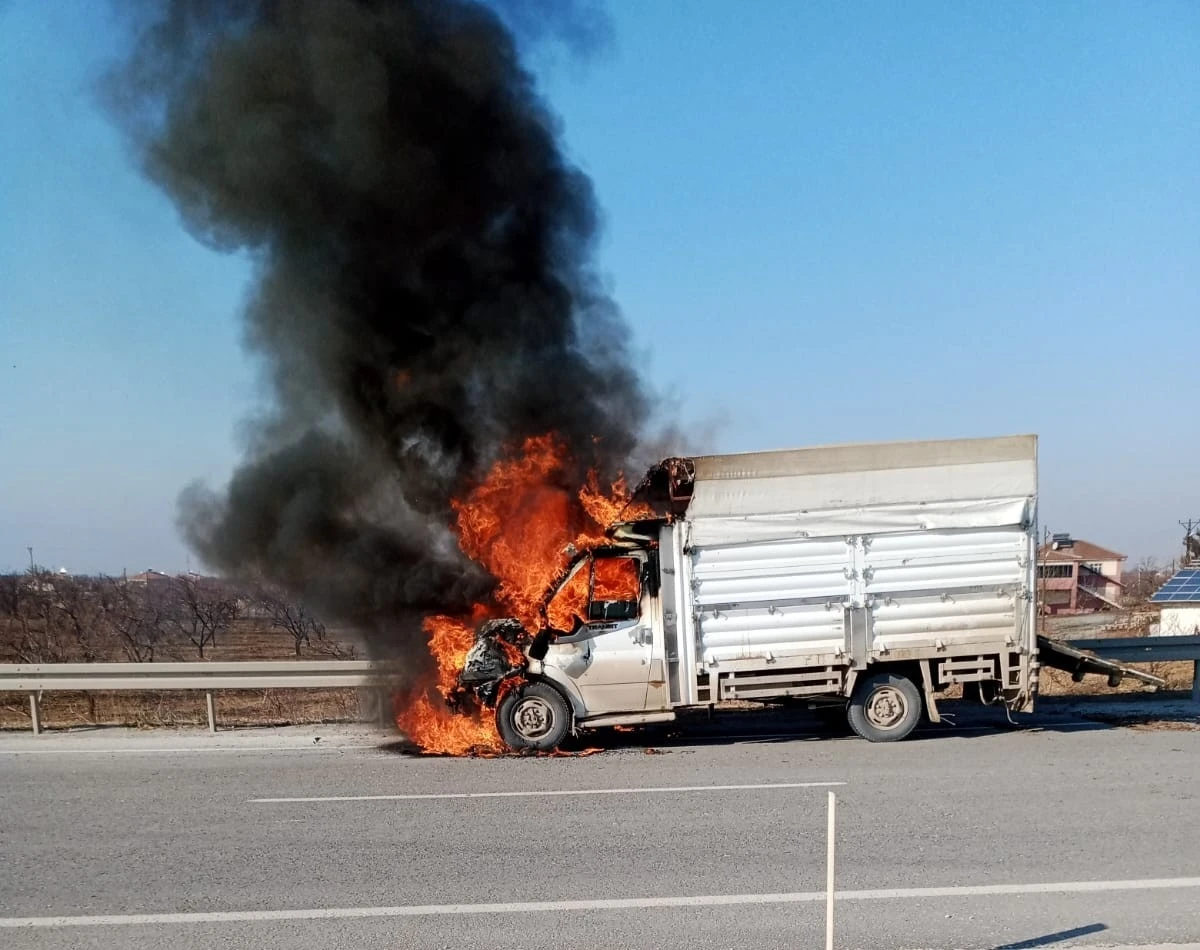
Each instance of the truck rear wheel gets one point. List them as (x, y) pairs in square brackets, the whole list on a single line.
[(533, 716), (885, 707)]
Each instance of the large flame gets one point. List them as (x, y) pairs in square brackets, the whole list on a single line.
[(520, 523), (423, 715)]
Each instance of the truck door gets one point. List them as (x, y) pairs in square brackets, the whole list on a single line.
[(609, 648)]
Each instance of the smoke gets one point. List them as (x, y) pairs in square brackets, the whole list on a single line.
[(424, 291)]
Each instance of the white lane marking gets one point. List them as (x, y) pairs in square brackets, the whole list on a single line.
[(621, 903), (647, 790), (311, 747)]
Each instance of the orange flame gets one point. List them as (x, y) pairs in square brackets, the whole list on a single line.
[(519, 524), (423, 715)]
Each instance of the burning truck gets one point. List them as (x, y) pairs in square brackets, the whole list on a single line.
[(866, 579)]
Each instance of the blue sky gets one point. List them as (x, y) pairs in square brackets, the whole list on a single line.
[(826, 222)]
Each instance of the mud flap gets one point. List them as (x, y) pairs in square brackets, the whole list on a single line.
[(1063, 656), (931, 708)]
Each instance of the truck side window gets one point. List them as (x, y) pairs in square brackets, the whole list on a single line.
[(616, 589)]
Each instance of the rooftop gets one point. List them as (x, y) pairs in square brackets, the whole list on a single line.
[(1065, 548)]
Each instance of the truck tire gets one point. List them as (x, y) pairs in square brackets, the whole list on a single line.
[(885, 707), (534, 716)]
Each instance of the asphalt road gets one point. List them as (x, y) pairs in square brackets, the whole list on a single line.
[(970, 837)]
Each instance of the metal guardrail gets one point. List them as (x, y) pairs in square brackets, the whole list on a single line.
[(1147, 650), (308, 674), (302, 674)]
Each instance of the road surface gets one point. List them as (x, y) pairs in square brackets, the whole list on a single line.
[(979, 836)]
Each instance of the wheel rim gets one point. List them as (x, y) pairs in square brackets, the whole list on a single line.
[(886, 708), (533, 717)]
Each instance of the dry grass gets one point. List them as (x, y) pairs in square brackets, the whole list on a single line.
[(1059, 683), (263, 707), (249, 640), (1163, 725)]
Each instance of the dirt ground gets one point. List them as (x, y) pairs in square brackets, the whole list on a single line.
[(266, 707), (1059, 683)]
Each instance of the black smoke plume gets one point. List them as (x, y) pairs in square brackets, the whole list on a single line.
[(424, 292)]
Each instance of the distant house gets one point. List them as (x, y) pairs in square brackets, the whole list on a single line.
[(1078, 577), (149, 578), (1179, 599)]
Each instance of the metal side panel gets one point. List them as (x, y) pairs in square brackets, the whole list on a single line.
[(769, 600), (771, 634), (944, 561), (936, 588), (925, 621), (768, 572)]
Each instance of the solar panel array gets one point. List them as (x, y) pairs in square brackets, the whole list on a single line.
[(1183, 587)]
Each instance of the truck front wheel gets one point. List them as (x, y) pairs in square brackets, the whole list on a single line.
[(533, 716), (885, 707)]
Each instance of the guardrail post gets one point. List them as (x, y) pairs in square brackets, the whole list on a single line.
[(381, 704), (35, 713), (212, 711)]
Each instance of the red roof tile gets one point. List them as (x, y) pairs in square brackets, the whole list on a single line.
[(1079, 551)]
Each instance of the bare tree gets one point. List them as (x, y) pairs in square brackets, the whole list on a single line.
[(138, 617), (332, 647), (292, 616), (1140, 583), (10, 594), (201, 611), (41, 635), (14, 614), (79, 606)]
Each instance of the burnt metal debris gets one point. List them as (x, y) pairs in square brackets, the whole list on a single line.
[(667, 487)]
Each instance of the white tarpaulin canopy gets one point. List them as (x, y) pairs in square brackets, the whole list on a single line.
[(863, 489)]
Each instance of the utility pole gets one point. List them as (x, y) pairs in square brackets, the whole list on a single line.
[(1191, 528), (1040, 611), (32, 566)]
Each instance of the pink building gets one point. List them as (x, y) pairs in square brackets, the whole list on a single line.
[(1078, 577)]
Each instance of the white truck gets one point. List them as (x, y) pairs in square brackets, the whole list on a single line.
[(866, 579)]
